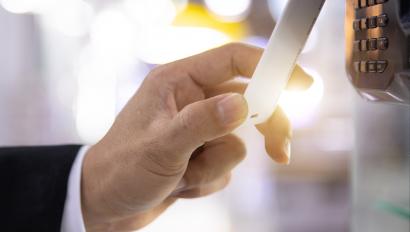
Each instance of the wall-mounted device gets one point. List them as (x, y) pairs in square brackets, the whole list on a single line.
[(378, 49)]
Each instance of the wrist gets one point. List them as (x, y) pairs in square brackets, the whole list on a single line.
[(92, 203)]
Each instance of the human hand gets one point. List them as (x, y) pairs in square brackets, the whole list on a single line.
[(173, 139)]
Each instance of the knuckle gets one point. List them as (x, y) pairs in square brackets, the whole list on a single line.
[(187, 120), (159, 163), (158, 73)]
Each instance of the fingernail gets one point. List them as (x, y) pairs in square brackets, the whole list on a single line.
[(287, 150), (232, 109)]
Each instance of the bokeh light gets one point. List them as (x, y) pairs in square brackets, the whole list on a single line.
[(150, 14), (207, 214), (113, 37), (96, 101), (18, 6), (230, 10), (180, 42), (180, 4), (192, 31), (196, 15), (71, 18), (301, 105)]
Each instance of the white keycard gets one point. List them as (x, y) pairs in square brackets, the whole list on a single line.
[(278, 60)]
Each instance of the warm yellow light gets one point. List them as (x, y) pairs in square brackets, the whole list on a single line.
[(196, 15), (193, 31), (300, 105)]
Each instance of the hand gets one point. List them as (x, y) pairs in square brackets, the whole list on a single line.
[(173, 139)]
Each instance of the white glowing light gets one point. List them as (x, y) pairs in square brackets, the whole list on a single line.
[(32, 6), (71, 18), (150, 13), (203, 215), (113, 37), (96, 99), (175, 43), (300, 106), (18, 6), (229, 9), (130, 77)]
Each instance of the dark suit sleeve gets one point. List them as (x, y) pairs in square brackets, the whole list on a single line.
[(33, 186)]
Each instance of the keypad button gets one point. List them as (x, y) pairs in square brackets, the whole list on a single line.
[(356, 4), (381, 1), (356, 45), (363, 45), (363, 67), (381, 66), (356, 25), (382, 43), (356, 66), (382, 20), (371, 2), (372, 22), (363, 24), (371, 66), (372, 44)]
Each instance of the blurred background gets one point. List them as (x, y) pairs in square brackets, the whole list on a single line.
[(68, 67)]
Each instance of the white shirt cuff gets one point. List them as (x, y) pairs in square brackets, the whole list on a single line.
[(72, 215)]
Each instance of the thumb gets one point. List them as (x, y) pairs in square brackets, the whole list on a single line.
[(206, 120)]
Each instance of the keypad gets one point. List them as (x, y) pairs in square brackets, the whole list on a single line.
[(370, 44)]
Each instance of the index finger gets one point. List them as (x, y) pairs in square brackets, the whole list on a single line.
[(221, 64)]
